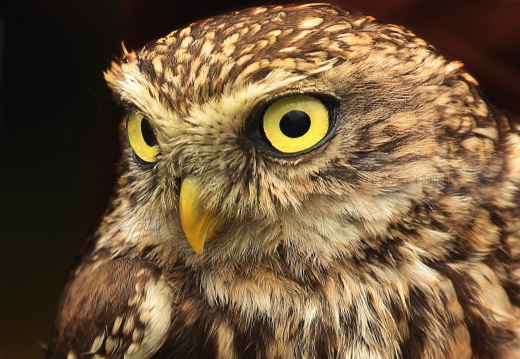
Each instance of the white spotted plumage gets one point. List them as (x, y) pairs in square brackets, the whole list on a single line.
[(395, 236)]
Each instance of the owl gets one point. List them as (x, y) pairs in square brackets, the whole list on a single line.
[(301, 182)]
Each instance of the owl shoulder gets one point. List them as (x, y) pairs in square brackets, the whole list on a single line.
[(112, 307)]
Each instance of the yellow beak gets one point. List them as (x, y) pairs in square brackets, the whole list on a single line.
[(199, 224)]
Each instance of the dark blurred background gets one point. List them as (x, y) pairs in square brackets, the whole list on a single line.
[(58, 123)]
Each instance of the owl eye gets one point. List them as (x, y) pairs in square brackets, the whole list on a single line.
[(141, 138), (296, 124)]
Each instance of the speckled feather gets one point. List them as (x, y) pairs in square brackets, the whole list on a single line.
[(397, 238)]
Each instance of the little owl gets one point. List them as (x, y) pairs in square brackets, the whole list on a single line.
[(301, 182)]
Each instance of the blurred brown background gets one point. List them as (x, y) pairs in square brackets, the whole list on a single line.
[(58, 124)]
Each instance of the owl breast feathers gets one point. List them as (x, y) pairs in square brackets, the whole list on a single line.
[(301, 182)]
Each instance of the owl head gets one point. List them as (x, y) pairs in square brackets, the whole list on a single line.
[(307, 132)]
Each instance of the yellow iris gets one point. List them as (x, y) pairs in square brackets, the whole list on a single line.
[(296, 123), (141, 137)]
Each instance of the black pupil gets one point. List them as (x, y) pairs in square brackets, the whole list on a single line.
[(148, 134), (295, 123)]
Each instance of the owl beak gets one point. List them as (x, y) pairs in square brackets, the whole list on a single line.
[(199, 224)]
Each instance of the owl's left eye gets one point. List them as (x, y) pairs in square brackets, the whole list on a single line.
[(297, 124), (141, 138)]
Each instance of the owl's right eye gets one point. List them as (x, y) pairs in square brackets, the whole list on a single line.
[(141, 137)]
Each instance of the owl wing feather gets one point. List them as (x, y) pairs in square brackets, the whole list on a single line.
[(112, 307)]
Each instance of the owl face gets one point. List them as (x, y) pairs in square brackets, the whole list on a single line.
[(249, 129)]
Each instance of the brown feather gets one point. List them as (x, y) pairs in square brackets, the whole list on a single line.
[(398, 237)]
